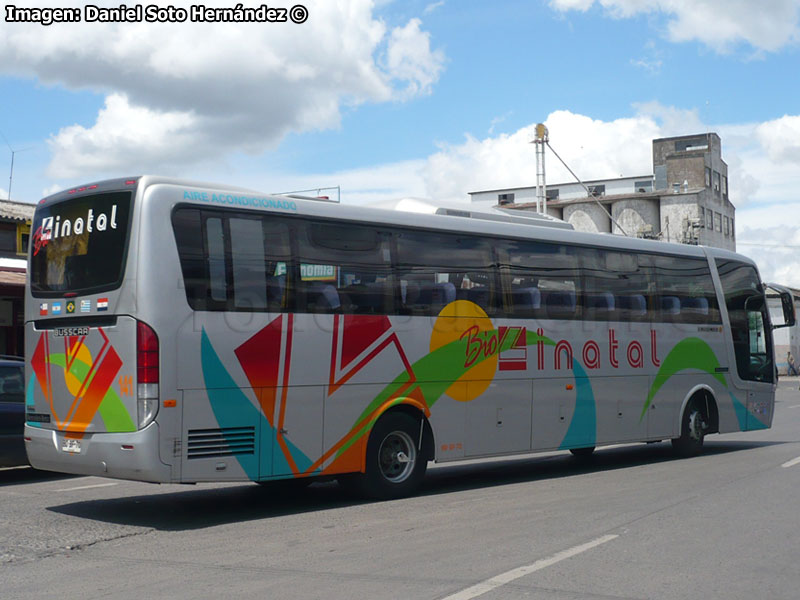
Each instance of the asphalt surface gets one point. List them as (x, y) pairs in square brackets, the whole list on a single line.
[(632, 522)]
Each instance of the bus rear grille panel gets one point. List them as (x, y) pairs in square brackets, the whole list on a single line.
[(228, 441)]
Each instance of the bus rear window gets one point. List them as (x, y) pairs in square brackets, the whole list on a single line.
[(79, 245)]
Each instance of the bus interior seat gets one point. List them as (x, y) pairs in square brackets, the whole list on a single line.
[(600, 303), (560, 304), (275, 289), (526, 299), (76, 270), (410, 293), (479, 296), (371, 297), (323, 298), (634, 305), (697, 306), (670, 305), (437, 295)]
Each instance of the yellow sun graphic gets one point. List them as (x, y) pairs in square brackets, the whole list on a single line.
[(457, 320)]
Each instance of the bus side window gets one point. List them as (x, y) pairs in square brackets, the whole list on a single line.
[(543, 280), (686, 290), (435, 269), (344, 268), (189, 238)]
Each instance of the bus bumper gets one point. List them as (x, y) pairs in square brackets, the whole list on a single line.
[(119, 455)]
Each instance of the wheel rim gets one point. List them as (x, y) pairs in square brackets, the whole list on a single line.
[(696, 426), (397, 456)]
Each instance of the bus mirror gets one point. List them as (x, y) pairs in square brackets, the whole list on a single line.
[(787, 303)]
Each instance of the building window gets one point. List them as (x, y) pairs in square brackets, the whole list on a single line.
[(698, 143), (710, 220), (733, 229), (23, 234), (702, 217), (8, 238), (597, 190), (505, 199), (643, 187), (708, 177), (725, 187), (716, 182), (719, 222), (552, 194), (727, 227)]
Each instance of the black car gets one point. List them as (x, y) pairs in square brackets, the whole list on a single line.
[(12, 412)]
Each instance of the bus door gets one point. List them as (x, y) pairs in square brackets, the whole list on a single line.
[(751, 346)]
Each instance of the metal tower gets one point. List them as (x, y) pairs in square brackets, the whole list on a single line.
[(541, 140)]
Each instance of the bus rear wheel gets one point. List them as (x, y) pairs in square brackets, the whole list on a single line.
[(694, 425), (395, 464)]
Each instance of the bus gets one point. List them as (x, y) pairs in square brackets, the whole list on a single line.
[(181, 332)]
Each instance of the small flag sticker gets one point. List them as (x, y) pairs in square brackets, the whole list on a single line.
[(56, 310), (43, 309), (102, 304), (86, 306), (70, 307)]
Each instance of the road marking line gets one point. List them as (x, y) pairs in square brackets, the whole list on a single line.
[(88, 487), (795, 406), (504, 578), (791, 463)]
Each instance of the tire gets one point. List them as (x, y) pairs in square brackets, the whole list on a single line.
[(395, 464), (582, 452), (694, 425)]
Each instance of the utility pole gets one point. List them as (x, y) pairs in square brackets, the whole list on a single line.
[(13, 152), (541, 140)]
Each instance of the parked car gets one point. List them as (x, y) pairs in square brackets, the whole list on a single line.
[(12, 412)]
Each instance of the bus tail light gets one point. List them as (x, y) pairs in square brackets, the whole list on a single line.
[(146, 373)]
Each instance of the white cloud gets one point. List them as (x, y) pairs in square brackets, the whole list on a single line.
[(719, 24), (432, 7), (775, 248), (123, 131), (593, 149), (781, 139), (211, 88), (410, 59)]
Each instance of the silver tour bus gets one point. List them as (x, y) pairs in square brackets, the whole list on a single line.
[(188, 332)]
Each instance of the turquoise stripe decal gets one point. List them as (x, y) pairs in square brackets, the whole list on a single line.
[(583, 426)]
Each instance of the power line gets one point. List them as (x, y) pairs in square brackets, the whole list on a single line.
[(589, 192)]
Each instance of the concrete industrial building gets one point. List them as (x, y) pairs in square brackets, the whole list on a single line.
[(684, 200)]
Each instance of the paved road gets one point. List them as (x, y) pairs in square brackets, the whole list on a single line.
[(635, 522)]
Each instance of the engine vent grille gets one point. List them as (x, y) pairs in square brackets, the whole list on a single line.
[(228, 441)]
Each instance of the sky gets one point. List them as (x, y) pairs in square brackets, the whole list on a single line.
[(411, 98)]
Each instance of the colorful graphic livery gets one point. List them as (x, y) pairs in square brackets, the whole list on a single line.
[(207, 347)]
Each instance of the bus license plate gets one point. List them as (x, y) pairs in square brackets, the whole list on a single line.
[(71, 446)]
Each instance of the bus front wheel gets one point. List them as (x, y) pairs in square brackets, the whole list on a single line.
[(694, 425)]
